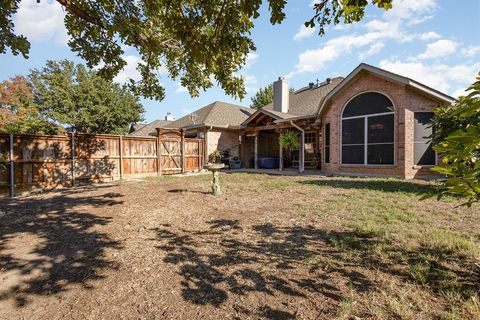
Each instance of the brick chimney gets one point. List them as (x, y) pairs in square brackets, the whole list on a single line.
[(281, 95)]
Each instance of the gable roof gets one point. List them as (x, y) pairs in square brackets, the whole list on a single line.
[(149, 129), (216, 114), (388, 76), (305, 101), (275, 115)]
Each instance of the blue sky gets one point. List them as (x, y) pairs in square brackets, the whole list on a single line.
[(436, 42)]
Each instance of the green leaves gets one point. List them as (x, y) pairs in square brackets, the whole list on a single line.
[(83, 101), (457, 139), (289, 139), (198, 42)]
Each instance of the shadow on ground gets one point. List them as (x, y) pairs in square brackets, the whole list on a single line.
[(64, 251), (227, 261)]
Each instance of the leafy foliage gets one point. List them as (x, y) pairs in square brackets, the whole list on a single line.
[(215, 156), (263, 97), (196, 41), (80, 99), (3, 162), (18, 114), (457, 139), (289, 139)]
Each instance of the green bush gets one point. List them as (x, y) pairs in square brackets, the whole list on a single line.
[(457, 139)]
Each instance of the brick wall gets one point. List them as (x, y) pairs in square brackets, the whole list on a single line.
[(223, 140), (405, 101)]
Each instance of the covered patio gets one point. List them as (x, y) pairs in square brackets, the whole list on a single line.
[(260, 142)]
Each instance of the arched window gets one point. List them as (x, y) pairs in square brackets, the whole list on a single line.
[(368, 130)]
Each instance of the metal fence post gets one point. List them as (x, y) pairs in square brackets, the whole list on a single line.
[(12, 175), (72, 151)]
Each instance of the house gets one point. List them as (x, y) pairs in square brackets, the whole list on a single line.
[(218, 123), (373, 122)]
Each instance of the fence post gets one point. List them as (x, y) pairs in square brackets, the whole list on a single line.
[(12, 175), (120, 167), (72, 154), (183, 150), (159, 154)]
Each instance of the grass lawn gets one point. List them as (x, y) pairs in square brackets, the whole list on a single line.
[(271, 247)]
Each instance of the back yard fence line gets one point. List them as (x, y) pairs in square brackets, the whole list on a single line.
[(45, 161)]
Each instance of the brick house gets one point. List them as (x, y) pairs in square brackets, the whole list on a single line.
[(218, 123), (373, 122)]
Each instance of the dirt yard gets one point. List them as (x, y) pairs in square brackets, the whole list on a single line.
[(270, 248)]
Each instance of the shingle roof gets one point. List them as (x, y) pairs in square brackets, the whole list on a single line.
[(215, 114), (306, 101), (150, 129)]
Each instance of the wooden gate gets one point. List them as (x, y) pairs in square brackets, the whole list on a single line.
[(177, 153)]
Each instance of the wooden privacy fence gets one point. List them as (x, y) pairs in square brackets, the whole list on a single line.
[(40, 161)]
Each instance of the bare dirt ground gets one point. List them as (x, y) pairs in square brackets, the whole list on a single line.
[(270, 248)]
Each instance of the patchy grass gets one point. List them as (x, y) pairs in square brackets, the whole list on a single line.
[(271, 247)]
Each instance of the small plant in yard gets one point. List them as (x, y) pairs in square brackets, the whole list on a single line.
[(215, 156)]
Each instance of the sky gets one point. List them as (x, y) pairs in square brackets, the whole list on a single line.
[(436, 42)]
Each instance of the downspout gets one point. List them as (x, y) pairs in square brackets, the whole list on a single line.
[(206, 144), (301, 166)]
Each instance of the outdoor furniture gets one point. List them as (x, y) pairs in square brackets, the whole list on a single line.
[(268, 162)]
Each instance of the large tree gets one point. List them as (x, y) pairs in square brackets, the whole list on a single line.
[(195, 40), (18, 113), (457, 139), (81, 100), (263, 97)]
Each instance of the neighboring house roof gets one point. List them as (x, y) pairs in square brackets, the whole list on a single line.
[(305, 101), (216, 114), (136, 126), (150, 129), (388, 76)]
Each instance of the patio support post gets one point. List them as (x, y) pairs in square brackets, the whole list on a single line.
[(280, 156), (255, 155), (301, 165), (12, 175)]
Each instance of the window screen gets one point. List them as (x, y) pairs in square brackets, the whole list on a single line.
[(368, 130), (368, 103), (423, 152), (327, 143)]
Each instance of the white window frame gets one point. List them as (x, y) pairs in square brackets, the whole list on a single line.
[(365, 132)]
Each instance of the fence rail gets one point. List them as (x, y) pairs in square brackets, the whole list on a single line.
[(41, 161)]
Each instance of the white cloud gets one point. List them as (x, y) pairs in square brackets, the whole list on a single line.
[(251, 83), (130, 70), (439, 76), (411, 9), (41, 21), (180, 88), (471, 51), (251, 59), (304, 32), (429, 36), (438, 49), (373, 50), (459, 92), (389, 27)]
